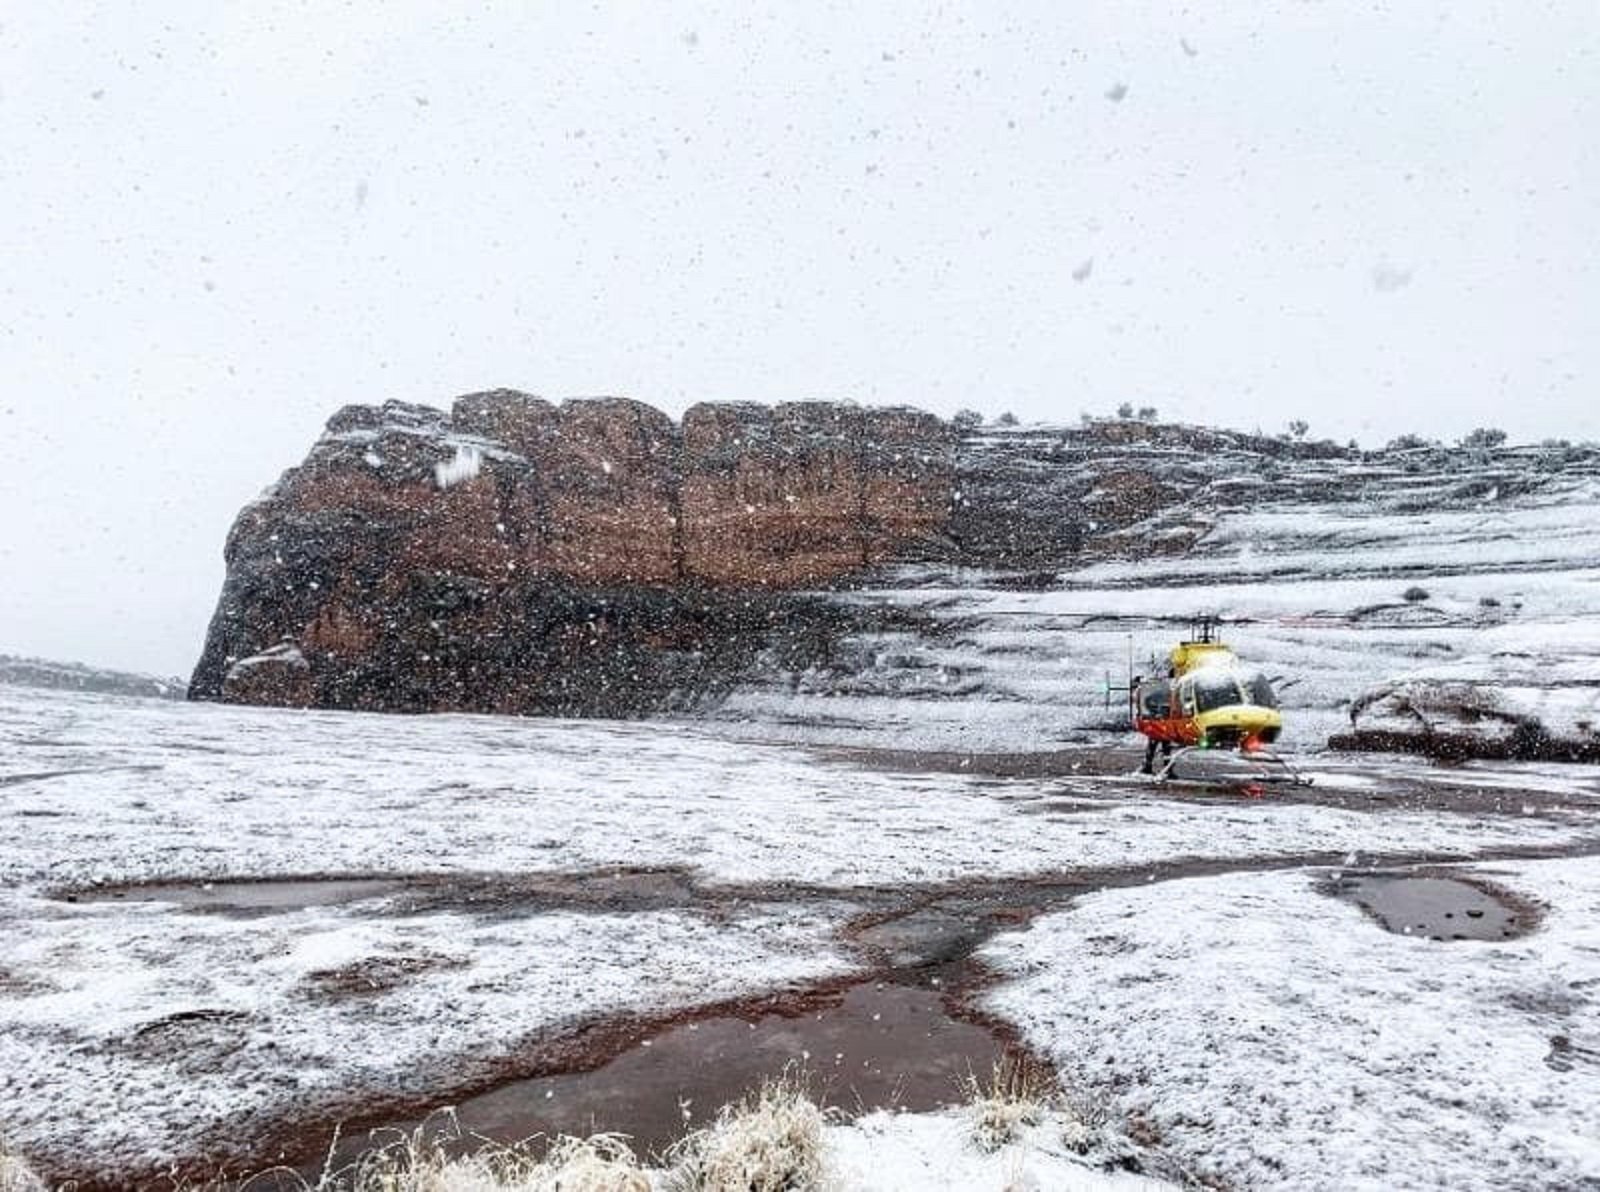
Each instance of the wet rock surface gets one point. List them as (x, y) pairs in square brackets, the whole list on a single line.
[(902, 1031), (1436, 907), (856, 1048), (510, 890), (911, 945)]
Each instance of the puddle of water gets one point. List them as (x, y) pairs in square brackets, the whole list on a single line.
[(246, 898), (1052, 763), (867, 1047), (928, 936), (1435, 908), (482, 894)]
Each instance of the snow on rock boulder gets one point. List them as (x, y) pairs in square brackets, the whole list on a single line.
[(277, 677), (1528, 691)]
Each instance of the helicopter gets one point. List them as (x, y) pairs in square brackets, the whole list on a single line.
[(1208, 705)]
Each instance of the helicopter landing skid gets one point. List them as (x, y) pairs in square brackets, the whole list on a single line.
[(1266, 769)]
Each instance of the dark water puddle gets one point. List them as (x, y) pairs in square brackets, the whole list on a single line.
[(42, 775), (1436, 908), (902, 1036), (1051, 763), (246, 898), (864, 1047), (488, 894), (934, 941)]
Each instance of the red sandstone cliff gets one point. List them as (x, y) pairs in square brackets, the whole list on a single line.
[(419, 560)]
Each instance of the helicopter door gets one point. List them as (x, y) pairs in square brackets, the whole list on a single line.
[(1185, 694), (1155, 699)]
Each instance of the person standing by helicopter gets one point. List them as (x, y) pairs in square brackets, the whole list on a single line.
[(1153, 701)]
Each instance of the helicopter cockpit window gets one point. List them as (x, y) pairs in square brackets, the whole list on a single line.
[(1258, 690), (1155, 700), (1215, 690)]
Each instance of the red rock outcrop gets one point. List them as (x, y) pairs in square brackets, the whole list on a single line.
[(799, 494), (486, 558)]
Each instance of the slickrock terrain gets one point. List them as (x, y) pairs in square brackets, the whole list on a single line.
[(813, 567)]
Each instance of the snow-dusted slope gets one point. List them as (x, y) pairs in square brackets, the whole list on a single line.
[(1278, 1038), (1335, 575), (74, 676)]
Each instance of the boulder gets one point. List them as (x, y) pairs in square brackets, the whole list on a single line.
[(516, 555), (1527, 691)]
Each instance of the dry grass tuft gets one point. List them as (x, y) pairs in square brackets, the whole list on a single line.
[(603, 1163), (15, 1175), (421, 1162), (599, 1163), (1017, 1094), (1021, 1095), (769, 1142)]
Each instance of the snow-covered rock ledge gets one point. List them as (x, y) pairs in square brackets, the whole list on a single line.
[(1531, 692)]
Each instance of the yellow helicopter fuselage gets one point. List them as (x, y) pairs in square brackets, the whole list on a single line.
[(1208, 699)]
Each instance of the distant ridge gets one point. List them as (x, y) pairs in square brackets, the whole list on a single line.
[(75, 676)]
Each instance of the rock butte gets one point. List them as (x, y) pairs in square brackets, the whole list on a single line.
[(594, 557), (516, 555)]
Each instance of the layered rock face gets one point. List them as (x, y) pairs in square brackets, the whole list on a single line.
[(800, 494), (592, 557), (873, 575), (1441, 599)]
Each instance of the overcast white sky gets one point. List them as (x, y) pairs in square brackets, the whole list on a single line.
[(219, 222)]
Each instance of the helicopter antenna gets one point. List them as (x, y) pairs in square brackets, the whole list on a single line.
[(1127, 688)]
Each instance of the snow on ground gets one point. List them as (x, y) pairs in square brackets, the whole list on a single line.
[(1278, 1038), (933, 1152), (1332, 599), (1028, 670), (103, 789), (1570, 781), (190, 1022)]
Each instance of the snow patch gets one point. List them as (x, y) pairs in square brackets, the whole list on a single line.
[(284, 654), (933, 1152), (463, 466)]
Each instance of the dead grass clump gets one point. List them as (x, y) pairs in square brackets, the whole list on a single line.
[(15, 1175), (1017, 1094), (1086, 1125), (420, 1162), (599, 1163), (769, 1142), (603, 1163)]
